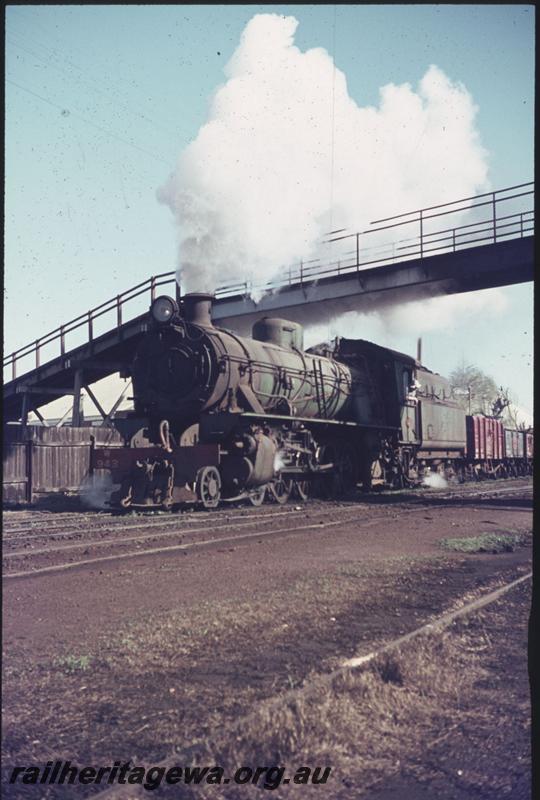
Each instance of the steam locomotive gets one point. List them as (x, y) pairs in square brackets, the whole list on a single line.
[(226, 418)]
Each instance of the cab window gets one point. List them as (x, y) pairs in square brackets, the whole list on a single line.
[(406, 382)]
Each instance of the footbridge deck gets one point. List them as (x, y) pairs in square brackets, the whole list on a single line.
[(496, 249)]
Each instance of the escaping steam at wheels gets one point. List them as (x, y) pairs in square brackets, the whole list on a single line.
[(220, 417)]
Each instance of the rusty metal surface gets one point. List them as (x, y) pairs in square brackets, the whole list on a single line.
[(186, 460), (443, 426)]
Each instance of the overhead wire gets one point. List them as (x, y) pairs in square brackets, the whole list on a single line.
[(332, 137), (332, 146), (55, 51), (87, 121), (91, 85)]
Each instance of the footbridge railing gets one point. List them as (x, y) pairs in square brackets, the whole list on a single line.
[(115, 308), (485, 218)]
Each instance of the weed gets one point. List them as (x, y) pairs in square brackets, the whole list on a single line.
[(73, 663), (366, 721), (389, 669), (495, 542)]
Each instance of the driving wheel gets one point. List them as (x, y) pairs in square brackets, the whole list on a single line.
[(302, 489), (208, 487), (280, 490), (256, 497)]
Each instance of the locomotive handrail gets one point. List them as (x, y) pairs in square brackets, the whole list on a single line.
[(495, 227)]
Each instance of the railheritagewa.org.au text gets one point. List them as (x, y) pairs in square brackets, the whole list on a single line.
[(151, 777)]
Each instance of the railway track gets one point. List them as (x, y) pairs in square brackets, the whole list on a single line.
[(82, 522), (112, 523), (256, 526), (111, 539), (42, 526), (260, 519)]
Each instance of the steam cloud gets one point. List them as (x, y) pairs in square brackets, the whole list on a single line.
[(287, 155), (279, 463), (435, 481), (96, 489), (386, 322)]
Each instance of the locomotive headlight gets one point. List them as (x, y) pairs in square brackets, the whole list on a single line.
[(163, 309)]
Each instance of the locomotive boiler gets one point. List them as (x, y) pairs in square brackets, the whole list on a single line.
[(187, 367), (224, 417)]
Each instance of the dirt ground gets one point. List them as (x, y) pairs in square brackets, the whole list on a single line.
[(485, 754), (132, 659)]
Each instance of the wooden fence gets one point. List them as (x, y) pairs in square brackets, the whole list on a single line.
[(39, 462)]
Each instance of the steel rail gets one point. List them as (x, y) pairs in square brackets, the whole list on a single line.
[(156, 535), (217, 524), (124, 523), (441, 622), (171, 549), (185, 519), (210, 542)]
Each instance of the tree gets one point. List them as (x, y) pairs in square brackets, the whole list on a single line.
[(476, 392), (512, 414)]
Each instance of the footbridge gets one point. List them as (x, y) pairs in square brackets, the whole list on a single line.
[(466, 245)]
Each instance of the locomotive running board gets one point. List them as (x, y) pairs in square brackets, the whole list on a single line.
[(315, 421)]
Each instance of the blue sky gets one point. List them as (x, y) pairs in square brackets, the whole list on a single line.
[(101, 100)]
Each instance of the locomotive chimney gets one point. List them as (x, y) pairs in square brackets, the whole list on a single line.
[(198, 308), (419, 350)]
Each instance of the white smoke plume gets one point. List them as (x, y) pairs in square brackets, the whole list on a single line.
[(435, 481), (387, 322), (439, 313), (286, 155), (96, 489), (279, 462)]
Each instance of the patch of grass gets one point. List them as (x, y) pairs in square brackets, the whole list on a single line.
[(188, 669), (73, 663), (173, 677), (368, 723), (495, 542), (389, 668)]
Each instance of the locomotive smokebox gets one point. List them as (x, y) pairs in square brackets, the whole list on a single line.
[(198, 308)]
